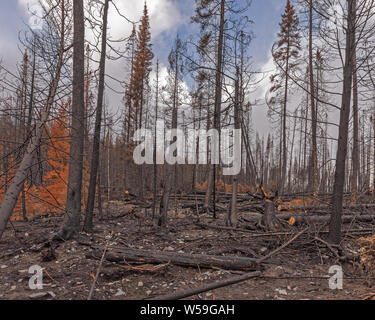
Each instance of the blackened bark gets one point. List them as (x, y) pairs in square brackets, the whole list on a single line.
[(155, 141), (73, 203), (338, 188), (314, 174), (88, 224), (218, 96), (355, 151), (232, 213)]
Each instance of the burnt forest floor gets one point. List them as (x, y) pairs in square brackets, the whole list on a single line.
[(298, 271)]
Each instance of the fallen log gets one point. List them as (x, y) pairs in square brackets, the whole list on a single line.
[(129, 255), (206, 288), (224, 228), (314, 219), (326, 208), (224, 283)]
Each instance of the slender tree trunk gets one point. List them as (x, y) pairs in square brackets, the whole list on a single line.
[(100, 205), (155, 140), (24, 127), (232, 213), (168, 179), (285, 102), (338, 188), (291, 156), (314, 173), (88, 224), (218, 96), (373, 184), (305, 148), (355, 151), (74, 194)]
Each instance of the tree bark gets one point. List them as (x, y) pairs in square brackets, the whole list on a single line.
[(232, 213), (218, 97), (314, 173), (88, 224), (155, 166), (338, 188), (181, 259), (73, 203), (355, 151)]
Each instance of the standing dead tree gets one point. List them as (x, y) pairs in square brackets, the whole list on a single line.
[(173, 102), (285, 53), (74, 194), (338, 190), (88, 224), (17, 184)]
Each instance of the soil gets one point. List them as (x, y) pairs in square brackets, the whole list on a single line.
[(299, 271)]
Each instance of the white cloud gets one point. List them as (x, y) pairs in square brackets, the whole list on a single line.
[(164, 15), (26, 3), (165, 19)]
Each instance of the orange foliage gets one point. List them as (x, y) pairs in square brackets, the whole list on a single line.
[(142, 65), (367, 255), (51, 196), (296, 204), (201, 186), (222, 187), (56, 179)]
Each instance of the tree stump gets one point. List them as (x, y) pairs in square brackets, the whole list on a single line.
[(268, 221)]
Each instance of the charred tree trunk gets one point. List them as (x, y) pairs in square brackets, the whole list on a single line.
[(355, 151), (338, 189), (155, 141), (169, 175), (185, 260), (268, 221), (232, 213), (88, 224), (218, 96), (73, 203), (314, 173)]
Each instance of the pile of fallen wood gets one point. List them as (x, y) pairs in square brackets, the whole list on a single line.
[(130, 257), (254, 203), (138, 256)]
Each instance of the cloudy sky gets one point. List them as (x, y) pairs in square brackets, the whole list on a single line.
[(168, 17)]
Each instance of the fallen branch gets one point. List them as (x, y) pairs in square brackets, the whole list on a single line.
[(329, 246), (283, 246), (129, 255), (217, 227), (146, 268), (314, 219), (98, 270), (208, 287), (326, 208)]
